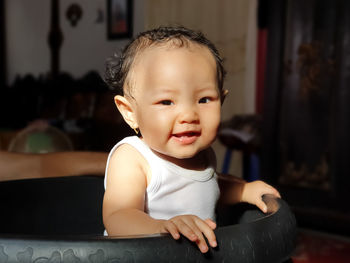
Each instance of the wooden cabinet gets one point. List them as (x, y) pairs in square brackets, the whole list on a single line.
[(306, 119)]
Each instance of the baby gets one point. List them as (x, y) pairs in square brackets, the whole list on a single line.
[(170, 82)]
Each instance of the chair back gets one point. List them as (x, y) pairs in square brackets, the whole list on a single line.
[(52, 206)]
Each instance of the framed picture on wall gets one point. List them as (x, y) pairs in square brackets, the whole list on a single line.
[(119, 19)]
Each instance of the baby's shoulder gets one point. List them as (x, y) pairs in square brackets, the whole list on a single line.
[(126, 153), (127, 157)]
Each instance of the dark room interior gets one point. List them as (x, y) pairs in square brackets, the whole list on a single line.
[(302, 106)]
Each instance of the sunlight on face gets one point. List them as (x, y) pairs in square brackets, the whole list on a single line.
[(176, 99)]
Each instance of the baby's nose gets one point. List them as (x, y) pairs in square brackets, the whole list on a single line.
[(189, 115)]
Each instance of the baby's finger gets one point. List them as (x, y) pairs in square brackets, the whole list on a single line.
[(261, 205), (273, 191), (276, 193), (201, 243), (172, 229), (186, 230), (210, 223), (197, 226), (208, 231)]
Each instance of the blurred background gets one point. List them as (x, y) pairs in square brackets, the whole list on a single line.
[(53, 55), (285, 120)]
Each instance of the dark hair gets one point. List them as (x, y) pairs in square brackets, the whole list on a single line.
[(118, 66)]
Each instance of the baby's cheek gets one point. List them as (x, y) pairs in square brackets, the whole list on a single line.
[(215, 123)]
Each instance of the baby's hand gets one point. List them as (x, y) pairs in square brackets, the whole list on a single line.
[(253, 192), (193, 228)]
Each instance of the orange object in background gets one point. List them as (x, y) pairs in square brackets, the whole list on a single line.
[(315, 247)]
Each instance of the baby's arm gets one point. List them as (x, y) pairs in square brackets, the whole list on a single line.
[(123, 201), (123, 204), (235, 190)]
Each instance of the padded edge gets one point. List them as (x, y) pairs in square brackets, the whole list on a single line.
[(268, 239)]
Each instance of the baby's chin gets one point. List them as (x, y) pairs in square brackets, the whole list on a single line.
[(175, 157), (184, 159)]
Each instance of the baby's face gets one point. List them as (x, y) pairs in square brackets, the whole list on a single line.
[(176, 99)]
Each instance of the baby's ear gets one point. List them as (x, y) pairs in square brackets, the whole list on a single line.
[(224, 92), (125, 108)]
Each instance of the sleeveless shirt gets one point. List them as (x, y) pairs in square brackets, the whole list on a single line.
[(174, 190)]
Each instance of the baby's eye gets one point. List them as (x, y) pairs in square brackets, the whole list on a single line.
[(166, 102), (204, 100)]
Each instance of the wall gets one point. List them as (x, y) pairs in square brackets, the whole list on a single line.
[(84, 48), (231, 25)]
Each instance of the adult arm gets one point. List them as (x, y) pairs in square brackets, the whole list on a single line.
[(16, 166)]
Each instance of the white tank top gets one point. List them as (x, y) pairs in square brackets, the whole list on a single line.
[(174, 190)]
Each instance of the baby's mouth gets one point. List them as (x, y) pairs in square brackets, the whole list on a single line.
[(186, 134), (186, 137)]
